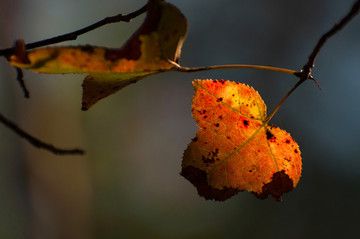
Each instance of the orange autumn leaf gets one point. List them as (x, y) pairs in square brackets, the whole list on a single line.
[(149, 50), (234, 150)]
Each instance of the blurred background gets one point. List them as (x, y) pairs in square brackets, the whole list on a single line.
[(128, 183)]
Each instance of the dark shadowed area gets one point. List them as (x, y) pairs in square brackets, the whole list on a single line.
[(128, 184)]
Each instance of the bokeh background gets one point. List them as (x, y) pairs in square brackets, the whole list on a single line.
[(128, 184)]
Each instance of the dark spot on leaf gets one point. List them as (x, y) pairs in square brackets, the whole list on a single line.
[(217, 124), (269, 135), (201, 111), (220, 117), (176, 31), (250, 171), (246, 123), (130, 51), (199, 179), (219, 99), (205, 116), (88, 49), (207, 160), (211, 157), (152, 19), (280, 184), (296, 151), (287, 141), (118, 87), (166, 38)]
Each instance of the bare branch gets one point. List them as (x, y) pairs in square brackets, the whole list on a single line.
[(66, 37), (306, 70), (73, 35), (305, 73), (36, 142)]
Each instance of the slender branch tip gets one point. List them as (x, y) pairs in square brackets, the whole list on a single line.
[(73, 35)]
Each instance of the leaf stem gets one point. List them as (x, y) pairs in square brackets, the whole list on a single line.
[(234, 66), (267, 119)]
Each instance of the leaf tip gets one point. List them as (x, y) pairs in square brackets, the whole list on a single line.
[(98, 87)]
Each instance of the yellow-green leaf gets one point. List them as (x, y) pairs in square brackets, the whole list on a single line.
[(147, 52)]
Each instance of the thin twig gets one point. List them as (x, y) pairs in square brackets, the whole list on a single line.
[(268, 118), (306, 70), (305, 73), (20, 79), (36, 142), (66, 37), (73, 35)]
